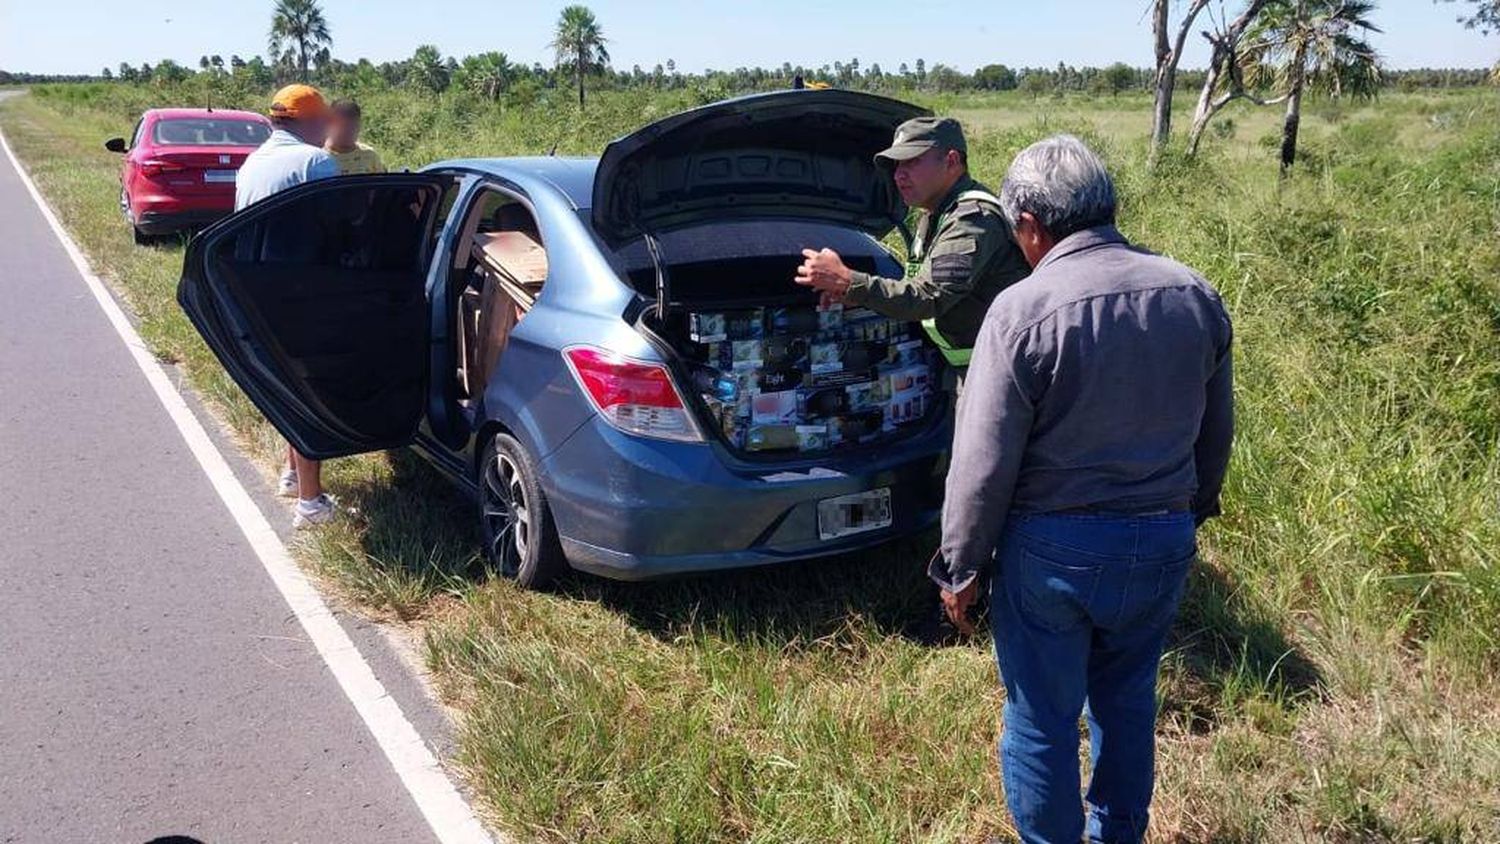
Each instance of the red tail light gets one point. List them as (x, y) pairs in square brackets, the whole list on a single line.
[(636, 397), (157, 167)]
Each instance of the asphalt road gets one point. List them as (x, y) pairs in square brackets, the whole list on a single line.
[(153, 681)]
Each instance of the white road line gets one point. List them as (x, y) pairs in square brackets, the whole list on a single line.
[(446, 811)]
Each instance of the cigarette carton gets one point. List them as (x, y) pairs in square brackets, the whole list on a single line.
[(812, 437), (746, 354), (774, 408), (826, 357), (771, 437), (708, 327), (793, 320)]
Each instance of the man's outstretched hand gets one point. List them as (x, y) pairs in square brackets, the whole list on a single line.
[(824, 271), (957, 604)]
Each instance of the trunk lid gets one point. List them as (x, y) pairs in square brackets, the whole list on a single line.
[(804, 155)]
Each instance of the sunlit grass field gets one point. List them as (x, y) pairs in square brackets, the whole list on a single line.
[(1333, 675)]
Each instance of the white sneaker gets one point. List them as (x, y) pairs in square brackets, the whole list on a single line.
[(286, 487), (320, 510)]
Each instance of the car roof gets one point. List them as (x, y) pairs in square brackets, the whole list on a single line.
[(177, 113), (573, 177)]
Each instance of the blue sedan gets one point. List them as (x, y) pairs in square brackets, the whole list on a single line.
[(609, 353)]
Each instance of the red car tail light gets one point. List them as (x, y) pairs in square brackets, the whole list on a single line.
[(636, 397), (157, 167)]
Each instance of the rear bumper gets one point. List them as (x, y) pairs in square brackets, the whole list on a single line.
[(617, 565), (167, 222), (634, 509)]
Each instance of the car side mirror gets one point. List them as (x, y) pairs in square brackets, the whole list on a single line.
[(115, 144)]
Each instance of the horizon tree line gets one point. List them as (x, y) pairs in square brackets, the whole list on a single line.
[(1274, 52)]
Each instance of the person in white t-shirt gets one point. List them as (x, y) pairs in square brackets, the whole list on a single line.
[(293, 155)]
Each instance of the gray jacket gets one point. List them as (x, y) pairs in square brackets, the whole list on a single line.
[(1102, 381)]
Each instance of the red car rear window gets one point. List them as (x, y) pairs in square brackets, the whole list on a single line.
[(210, 132)]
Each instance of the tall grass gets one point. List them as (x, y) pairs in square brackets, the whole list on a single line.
[(1333, 676)]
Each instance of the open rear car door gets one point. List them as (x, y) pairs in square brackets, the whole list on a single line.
[(314, 300)]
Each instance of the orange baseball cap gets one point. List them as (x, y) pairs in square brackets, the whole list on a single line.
[(298, 101)]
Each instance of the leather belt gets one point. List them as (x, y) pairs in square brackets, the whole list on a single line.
[(1168, 508)]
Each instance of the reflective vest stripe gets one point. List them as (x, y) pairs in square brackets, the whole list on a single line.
[(954, 356)]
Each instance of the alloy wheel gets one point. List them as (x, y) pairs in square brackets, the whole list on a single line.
[(507, 514)]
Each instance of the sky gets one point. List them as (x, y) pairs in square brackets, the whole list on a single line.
[(74, 36)]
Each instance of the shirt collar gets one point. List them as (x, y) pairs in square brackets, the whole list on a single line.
[(965, 182), (1080, 240), (284, 137)]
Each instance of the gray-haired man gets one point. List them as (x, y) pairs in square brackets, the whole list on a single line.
[(1092, 438)]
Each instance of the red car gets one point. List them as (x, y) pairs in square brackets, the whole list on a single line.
[(180, 167)]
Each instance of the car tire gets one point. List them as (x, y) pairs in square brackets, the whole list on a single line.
[(518, 536), (140, 237)]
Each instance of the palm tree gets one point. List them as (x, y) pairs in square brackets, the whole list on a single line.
[(579, 44), (487, 74), (1297, 44), (298, 28), (425, 70)]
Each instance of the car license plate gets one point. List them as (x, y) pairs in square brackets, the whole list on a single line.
[(219, 176), (851, 514)]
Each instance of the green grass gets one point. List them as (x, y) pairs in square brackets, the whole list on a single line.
[(1333, 676)]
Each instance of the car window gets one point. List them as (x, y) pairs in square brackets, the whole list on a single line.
[(206, 131), (445, 208), (135, 137)]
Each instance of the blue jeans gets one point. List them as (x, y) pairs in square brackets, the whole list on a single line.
[(1080, 607)]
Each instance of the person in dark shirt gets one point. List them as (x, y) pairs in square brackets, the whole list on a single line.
[(1091, 440)]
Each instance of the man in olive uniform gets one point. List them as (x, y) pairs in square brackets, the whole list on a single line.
[(962, 257), (963, 254)]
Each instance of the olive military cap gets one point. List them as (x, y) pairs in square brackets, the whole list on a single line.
[(921, 134)]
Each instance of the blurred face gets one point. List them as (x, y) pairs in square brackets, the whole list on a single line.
[(924, 180), (343, 131)]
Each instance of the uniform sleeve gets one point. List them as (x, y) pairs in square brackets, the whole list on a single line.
[(1215, 435), (995, 413), (945, 277)]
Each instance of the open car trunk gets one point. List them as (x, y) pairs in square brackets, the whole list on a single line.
[(767, 370), (709, 211)]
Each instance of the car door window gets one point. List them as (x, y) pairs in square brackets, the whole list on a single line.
[(315, 301), (135, 137)]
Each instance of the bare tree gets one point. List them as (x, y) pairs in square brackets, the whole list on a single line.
[(1225, 82), (1168, 54)]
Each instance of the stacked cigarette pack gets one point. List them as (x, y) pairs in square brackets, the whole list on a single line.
[(810, 379)]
